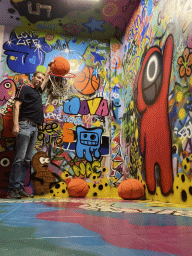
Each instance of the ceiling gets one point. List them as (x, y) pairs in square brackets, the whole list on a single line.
[(96, 19)]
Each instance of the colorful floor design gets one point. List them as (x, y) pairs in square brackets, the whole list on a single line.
[(94, 227)]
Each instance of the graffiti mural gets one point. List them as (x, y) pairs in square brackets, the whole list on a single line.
[(25, 52), (155, 136), (125, 113), (157, 69)]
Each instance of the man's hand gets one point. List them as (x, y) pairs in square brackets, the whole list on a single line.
[(46, 79), (15, 130)]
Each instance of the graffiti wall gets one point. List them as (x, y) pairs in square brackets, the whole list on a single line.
[(74, 140), (156, 58), (125, 114)]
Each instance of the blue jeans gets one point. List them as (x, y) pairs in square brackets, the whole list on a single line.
[(25, 142)]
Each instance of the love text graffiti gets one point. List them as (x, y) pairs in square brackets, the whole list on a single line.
[(25, 52)]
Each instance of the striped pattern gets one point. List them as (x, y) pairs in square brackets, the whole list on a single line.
[(20, 87)]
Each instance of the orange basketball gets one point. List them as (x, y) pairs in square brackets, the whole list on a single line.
[(86, 83), (77, 188), (60, 66), (131, 189)]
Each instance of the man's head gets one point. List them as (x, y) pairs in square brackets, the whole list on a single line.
[(37, 79)]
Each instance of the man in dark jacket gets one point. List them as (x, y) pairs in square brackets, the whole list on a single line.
[(27, 116)]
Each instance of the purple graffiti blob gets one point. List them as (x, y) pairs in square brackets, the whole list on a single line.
[(25, 52)]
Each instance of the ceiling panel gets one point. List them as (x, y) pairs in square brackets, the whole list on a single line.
[(99, 19)]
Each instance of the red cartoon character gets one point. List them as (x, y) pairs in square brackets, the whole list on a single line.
[(152, 103)]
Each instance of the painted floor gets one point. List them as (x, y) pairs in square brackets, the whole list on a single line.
[(46, 227)]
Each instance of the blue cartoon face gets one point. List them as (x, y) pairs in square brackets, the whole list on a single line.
[(89, 138), (25, 52), (88, 142)]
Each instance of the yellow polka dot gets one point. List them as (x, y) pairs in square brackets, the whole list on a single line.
[(179, 96), (115, 80), (97, 123), (50, 108), (131, 105), (136, 134), (182, 113)]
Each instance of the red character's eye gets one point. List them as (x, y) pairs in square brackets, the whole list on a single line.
[(5, 162), (152, 77)]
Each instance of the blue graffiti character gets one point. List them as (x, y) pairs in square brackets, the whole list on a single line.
[(25, 52), (88, 142)]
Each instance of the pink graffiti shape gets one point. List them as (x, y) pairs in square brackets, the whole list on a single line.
[(120, 233), (7, 90), (189, 41)]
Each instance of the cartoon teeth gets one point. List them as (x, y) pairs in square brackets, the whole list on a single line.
[(91, 138)]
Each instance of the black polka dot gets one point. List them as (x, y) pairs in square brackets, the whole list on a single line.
[(177, 175), (184, 195), (100, 187), (106, 184), (174, 149), (94, 177), (138, 177), (88, 186), (94, 194), (183, 177), (187, 159), (94, 185), (11, 10), (190, 190), (66, 175), (17, 18), (57, 186), (104, 169), (54, 195), (63, 191), (177, 187), (51, 191)]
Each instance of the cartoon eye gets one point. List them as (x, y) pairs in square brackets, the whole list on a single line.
[(5, 162), (47, 160), (92, 137), (7, 85), (42, 160), (152, 77)]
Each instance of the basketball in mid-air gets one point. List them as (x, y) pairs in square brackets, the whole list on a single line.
[(60, 66), (86, 82), (77, 188)]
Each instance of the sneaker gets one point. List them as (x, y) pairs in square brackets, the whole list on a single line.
[(22, 193), (13, 194)]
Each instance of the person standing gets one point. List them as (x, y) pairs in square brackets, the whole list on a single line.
[(27, 116)]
